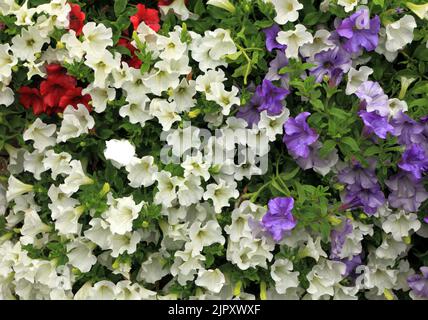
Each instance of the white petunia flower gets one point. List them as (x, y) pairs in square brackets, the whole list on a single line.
[(24, 15), (195, 165), (167, 188), (27, 44), (141, 172), (7, 61), (220, 194), (137, 111), (183, 95), (273, 124), (165, 112), (67, 220), (124, 243), (190, 190), (172, 48), (323, 277), (41, 133), (103, 64), (348, 5), (123, 214), (99, 233), (356, 78), (204, 82), (320, 43), (400, 33), (396, 106), (97, 38), (76, 178), (400, 224), (283, 275), (178, 7), (286, 10), (212, 280), (58, 163), (73, 45), (153, 269), (76, 121), (122, 75), (6, 95), (100, 97), (33, 226), (33, 162), (294, 39), (161, 78), (226, 99), (119, 152), (79, 253)]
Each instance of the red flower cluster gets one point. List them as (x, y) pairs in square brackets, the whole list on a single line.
[(149, 16), (58, 91), (76, 18)]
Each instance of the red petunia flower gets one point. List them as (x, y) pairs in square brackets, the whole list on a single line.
[(54, 87), (133, 60), (149, 16), (76, 18), (164, 2), (31, 98), (54, 69), (74, 97)]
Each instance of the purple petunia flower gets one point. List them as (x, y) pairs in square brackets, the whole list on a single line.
[(362, 188), (321, 165), (357, 174), (426, 219), (278, 220), (271, 33), (407, 193), (250, 112), (360, 31), (275, 65), (373, 98), (338, 238), (332, 63), (414, 160), (271, 97), (375, 123), (407, 130), (419, 283), (370, 199), (298, 136)]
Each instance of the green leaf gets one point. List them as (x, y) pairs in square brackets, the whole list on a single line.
[(312, 18), (380, 3), (119, 7), (349, 141), (327, 147), (371, 151)]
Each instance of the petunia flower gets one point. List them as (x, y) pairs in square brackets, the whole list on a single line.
[(271, 33), (149, 16), (360, 31), (278, 220), (77, 18), (298, 136), (414, 160), (271, 97)]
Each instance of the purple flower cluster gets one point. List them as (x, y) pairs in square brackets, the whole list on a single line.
[(362, 187), (279, 220), (360, 31)]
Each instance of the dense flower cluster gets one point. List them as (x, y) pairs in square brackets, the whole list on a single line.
[(221, 149)]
